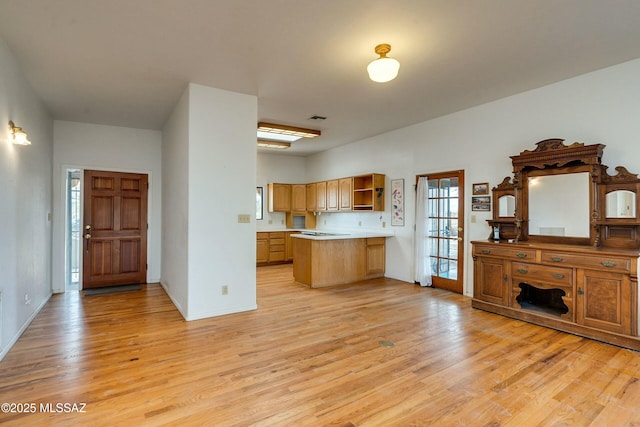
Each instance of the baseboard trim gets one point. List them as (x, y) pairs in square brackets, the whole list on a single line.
[(24, 327)]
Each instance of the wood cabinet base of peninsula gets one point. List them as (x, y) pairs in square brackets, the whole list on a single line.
[(321, 263)]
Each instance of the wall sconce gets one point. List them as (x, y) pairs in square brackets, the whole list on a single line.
[(19, 136)]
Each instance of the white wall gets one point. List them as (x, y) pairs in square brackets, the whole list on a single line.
[(99, 147), (599, 107), (277, 168), (175, 185), (222, 178), (25, 191)]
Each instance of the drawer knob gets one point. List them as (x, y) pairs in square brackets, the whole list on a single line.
[(557, 259), (521, 255), (558, 275), (522, 271), (485, 251), (580, 291), (608, 264)]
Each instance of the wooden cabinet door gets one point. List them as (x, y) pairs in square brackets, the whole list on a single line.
[(279, 197), (492, 282), (321, 193), (262, 251), (288, 244), (345, 194), (375, 257), (298, 198), (604, 301), (332, 195), (312, 197)]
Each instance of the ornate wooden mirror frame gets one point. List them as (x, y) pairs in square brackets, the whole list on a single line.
[(552, 157)]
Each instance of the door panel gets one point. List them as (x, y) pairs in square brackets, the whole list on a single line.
[(445, 208), (115, 229)]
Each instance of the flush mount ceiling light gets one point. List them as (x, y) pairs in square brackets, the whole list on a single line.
[(19, 136), (284, 133), (273, 144), (383, 69)]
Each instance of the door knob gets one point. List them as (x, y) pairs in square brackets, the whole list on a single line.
[(87, 236), (87, 227)]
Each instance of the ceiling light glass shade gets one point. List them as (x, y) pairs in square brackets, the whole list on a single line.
[(383, 69)]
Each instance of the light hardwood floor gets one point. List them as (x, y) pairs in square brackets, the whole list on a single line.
[(379, 353)]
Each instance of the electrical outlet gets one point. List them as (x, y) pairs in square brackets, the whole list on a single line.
[(359, 223), (473, 218), (225, 290), (27, 300), (384, 224)]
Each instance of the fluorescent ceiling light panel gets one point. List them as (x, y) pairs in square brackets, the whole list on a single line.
[(284, 133), (278, 136), (273, 144)]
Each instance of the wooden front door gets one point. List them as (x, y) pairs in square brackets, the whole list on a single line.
[(115, 229), (445, 217)]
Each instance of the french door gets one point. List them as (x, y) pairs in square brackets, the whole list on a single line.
[(445, 214), (115, 229)]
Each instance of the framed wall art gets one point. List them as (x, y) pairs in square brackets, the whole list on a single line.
[(480, 189), (397, 202)]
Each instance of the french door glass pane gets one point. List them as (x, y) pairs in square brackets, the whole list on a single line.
[(433, 227), (443, 226), (433, 248)]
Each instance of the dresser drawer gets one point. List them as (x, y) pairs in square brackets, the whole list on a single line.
[(604, 263), (502, 251), (535, 273)]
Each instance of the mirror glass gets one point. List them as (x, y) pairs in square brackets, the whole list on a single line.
[(507, 206), (621, 204), (559, 205)]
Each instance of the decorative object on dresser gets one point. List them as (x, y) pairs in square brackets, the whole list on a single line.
[(564, 245)]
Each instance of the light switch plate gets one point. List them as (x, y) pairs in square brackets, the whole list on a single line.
[(244, 218)]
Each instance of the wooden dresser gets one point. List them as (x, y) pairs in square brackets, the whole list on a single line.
[(588, 291), (564, 244)]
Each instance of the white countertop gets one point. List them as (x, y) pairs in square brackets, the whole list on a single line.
[(340, 234)]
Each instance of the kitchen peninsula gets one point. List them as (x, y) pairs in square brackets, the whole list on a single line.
[(327, 259)]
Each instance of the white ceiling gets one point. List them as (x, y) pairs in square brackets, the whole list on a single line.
[(126, 62)]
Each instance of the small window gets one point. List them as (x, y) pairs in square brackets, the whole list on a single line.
[(259, 203)]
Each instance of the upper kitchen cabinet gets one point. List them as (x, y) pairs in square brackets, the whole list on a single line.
[(298, 198), (332, 194), (345, 193), (312, 198), (321, 196), (279, 197), (368, 192)]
